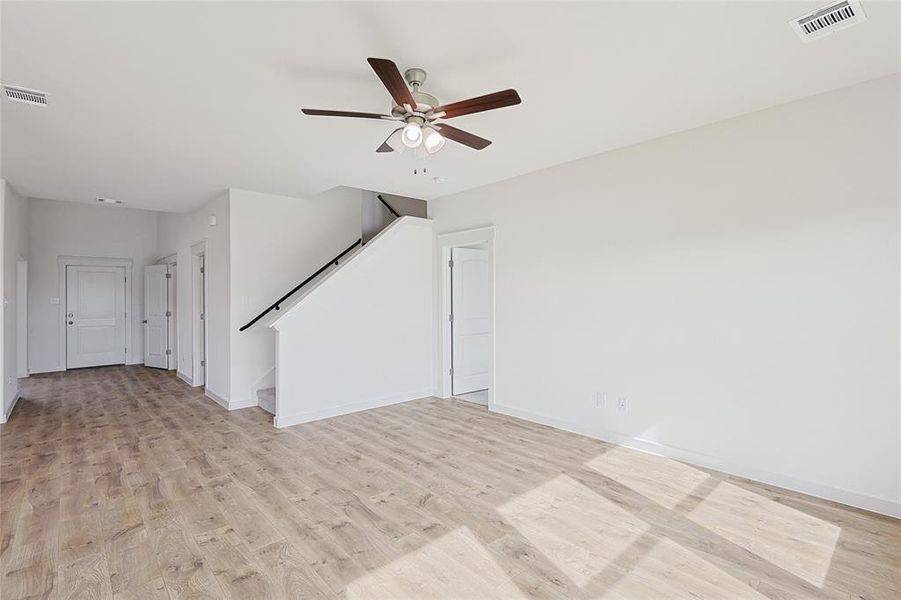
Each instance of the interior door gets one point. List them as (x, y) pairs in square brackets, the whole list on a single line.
[(199, 346), (471, 324), (95, 316), (156, 319)]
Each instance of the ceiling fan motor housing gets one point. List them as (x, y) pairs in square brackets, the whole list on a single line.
[(424, 102)]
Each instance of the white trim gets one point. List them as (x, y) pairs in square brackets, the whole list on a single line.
[(184, 378), (225, 403), (871, 503), (243, 404), (278, 379), (54, 370), (216, 398), (91, 261), (21, 318), (346, 409), (4, 417), (444, 243), (199, 347)]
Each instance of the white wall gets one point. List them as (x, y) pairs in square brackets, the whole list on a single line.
[(737, 283), (177, 234), (15, 247), (277, 242), (73, 229), (363, 337), (3, 349)]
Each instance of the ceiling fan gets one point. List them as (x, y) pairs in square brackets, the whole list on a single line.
[(421, 113)]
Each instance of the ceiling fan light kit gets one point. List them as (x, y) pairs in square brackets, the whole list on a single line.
[(433, 141), (421, 113), (411, 135)]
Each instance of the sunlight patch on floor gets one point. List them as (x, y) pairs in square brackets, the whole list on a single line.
[(672, 571), (451, 567), (790, 539), (663, 480), (577, 529)]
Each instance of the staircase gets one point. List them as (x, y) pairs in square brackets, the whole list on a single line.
[(263, 389), (266, 399)]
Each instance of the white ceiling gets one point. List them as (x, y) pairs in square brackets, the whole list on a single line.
[(163, 105)]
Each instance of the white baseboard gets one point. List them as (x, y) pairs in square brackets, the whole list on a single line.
[(239, 404), (184, 378), (225, 403), (346, 409), (216, 398), (4, 415), (53, 370), (879, 505)]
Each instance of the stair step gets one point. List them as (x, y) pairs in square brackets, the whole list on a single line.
[(266, 399)]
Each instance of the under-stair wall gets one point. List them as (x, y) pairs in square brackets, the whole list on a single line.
[(277, 241), (363, 336)]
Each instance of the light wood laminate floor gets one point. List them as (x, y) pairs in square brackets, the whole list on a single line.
[(123, 482)]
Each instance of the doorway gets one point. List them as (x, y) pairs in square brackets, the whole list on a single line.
[(95, 316), (22, 318), (160, 328), (470, 322), (467, 309), (198, 320)]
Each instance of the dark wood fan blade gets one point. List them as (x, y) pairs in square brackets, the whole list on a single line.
[(480, 104), (462, 137), (393, 80), (342, 113), (385, 147)]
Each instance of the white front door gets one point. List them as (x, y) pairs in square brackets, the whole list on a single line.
[(95, 316), (470, 302), (156, 319)]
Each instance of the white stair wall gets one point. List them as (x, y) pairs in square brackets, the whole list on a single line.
[(274, 243), (363, 336)]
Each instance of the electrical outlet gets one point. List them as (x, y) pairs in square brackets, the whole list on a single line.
[(622, 404)]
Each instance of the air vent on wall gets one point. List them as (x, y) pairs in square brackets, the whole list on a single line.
[(827, 20), (17, 94)]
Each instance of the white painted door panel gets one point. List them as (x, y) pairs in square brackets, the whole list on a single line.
[(472, 320), (156, 321), (95, 316)]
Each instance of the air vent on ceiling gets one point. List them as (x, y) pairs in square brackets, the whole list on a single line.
[(827, 20), (17, 94), (108, 201)]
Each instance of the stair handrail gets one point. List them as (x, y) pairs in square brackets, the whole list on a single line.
[(277, 304), (388, 206)]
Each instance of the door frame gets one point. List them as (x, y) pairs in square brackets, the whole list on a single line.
[(171, 262), (22, 318), (199, 305), (444, 359), (89, 261)]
